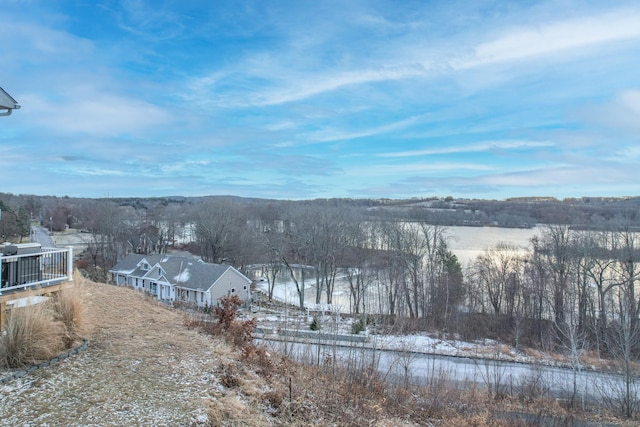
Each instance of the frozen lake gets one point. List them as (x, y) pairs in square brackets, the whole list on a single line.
[(468, 242)]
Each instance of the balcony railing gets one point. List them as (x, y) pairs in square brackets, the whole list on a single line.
[(50, 266)]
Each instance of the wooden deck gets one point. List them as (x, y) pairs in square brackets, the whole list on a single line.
[(47, 290)]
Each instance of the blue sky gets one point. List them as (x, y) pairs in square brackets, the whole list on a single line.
[(309, 99)]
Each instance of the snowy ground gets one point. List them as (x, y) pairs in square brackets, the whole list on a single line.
[(72, 237), (292, 318)]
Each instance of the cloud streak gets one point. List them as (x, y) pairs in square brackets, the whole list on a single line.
[(555, 37), (472, 148), (515, 44)]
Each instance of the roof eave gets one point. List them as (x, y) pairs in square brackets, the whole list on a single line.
[(7, 102)]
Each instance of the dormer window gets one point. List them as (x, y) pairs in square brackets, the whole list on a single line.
[(145, 266)]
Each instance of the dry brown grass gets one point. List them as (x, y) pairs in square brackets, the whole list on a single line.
[(226, 409), (31, 334), (41, 331), (69, 306), (531, 352)]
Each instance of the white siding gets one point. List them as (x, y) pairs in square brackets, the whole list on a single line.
[(231, 282)]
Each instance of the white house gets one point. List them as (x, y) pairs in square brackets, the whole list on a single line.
[(180, 278)]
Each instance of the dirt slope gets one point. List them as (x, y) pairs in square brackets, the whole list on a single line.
[(142, 367)]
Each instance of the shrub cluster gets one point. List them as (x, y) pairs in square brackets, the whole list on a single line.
[(225, 324)]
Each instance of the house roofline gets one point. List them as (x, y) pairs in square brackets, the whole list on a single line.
[(7, 103)]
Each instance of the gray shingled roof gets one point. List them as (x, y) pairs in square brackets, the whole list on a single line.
[(181, 271), (127, 264), (6, 101)]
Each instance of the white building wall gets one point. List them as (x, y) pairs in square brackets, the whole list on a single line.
[(230, 283)]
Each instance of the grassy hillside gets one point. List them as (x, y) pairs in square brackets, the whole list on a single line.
[(142, 367)]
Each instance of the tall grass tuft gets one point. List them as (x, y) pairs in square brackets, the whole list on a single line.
[(31, 334), (69, 309)]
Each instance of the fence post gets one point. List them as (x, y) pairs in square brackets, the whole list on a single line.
[(3, 313), (70, 264)]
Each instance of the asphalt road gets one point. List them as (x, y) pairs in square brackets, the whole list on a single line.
[(424, 369), (41, 235)]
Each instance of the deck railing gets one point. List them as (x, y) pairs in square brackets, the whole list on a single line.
[(50, 266)]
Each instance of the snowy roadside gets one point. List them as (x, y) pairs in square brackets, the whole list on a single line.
[(76, 239), (292, 318)]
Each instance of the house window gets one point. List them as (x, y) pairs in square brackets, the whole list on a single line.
[(233, 290), (244, 287)]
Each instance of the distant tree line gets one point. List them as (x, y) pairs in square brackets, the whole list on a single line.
[(585, 213), (15, 224)]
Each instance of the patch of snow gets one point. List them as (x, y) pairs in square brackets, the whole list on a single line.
[(26, 301), (184, 276), (285, 292)]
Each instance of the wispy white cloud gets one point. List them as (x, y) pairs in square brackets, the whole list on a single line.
[(472, 148), (32, 43), (82, 171), (552, 38), (94, 112), (283, 84), (626, 155), (622, 114), (606, 179), (187, 166), (11, 157), (149, 20), (280, 125), (331, 82), (551, 175), (281, 87), (330, 135), (407, 169)]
